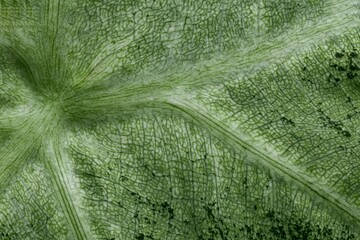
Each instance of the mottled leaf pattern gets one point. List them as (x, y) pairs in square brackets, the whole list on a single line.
[(179, 119)]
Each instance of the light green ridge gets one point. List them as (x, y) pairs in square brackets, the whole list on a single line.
[(160, 165), (268, 158), (54, 161), (53, 155), (259, 154)]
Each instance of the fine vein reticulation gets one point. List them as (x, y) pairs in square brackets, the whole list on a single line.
[(179, 119)]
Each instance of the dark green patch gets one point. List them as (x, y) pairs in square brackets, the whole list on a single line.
[(339, 55), (346, 133), (167, 208), (287, 121), (354, 67), (341, 68), (353, 55), (271, 215), (351, 75), (217, 228), (140, 236), (336, 125)]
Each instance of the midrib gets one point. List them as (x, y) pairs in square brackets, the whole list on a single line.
[(53, 156), (47, 128), (258, 154)]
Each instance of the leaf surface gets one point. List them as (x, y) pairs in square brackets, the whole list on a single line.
[(179, 119)]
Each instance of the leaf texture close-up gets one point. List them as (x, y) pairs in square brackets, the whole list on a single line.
[(180, 119)]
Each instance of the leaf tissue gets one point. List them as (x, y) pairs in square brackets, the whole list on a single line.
[(180, 119)]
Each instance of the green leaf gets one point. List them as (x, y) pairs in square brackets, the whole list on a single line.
[(179, 119)]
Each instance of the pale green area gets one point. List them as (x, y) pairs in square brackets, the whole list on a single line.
[(179, 119)]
